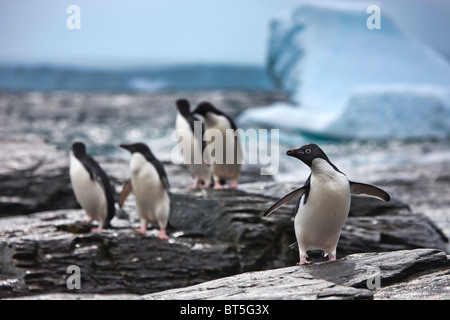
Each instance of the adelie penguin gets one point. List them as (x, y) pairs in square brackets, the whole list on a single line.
[(323, 202), (151, 188), (91, 186), (191, 129), (227, 161)]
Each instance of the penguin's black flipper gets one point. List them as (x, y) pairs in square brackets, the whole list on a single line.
[(369, 190), (91, 166), (297, 193), (126, 190), (162, 173), (97, 173)]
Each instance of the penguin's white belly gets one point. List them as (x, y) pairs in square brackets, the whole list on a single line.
[(89, 193), (229, 153), (192, 149), (318, 223), (152, 200)]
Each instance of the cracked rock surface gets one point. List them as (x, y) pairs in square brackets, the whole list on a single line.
[(215, 234), (389, 274)]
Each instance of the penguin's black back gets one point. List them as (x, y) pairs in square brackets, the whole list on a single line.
[(143, 149), (184, 109), (204, 107), (97, 173)]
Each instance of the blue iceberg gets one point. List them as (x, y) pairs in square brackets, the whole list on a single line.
[(347, 81)]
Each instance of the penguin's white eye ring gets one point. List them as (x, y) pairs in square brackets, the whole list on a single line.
[(308, 151)]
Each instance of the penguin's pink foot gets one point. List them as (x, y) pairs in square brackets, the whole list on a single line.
[(141, 230), (331, 257), (194, 186), (233, 184), (163, 235), (98, 229), (303, 260), (217, 186)]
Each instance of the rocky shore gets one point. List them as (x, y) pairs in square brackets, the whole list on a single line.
[(220, 246)]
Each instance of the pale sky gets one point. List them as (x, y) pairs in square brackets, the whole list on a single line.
[(149, 32)]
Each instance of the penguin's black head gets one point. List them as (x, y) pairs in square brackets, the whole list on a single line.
[(183, 106), (78, 149), (204, 107), (308, 153), (136, 147)]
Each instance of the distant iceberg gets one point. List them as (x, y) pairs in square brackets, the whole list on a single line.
[(349, 82)]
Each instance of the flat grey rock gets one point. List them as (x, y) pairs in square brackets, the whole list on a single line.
[(432, 286), (74, 296), (291, 283), (359, 276)]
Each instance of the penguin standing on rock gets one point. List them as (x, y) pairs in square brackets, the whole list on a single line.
[(229, 155), (91, 186), (185, 125), (151, 188), (323, 202)]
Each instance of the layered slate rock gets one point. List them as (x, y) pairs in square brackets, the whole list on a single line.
[(290, 283), (33, 177), (213, 237), (36, 250), (387, 274), (214, 233)]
